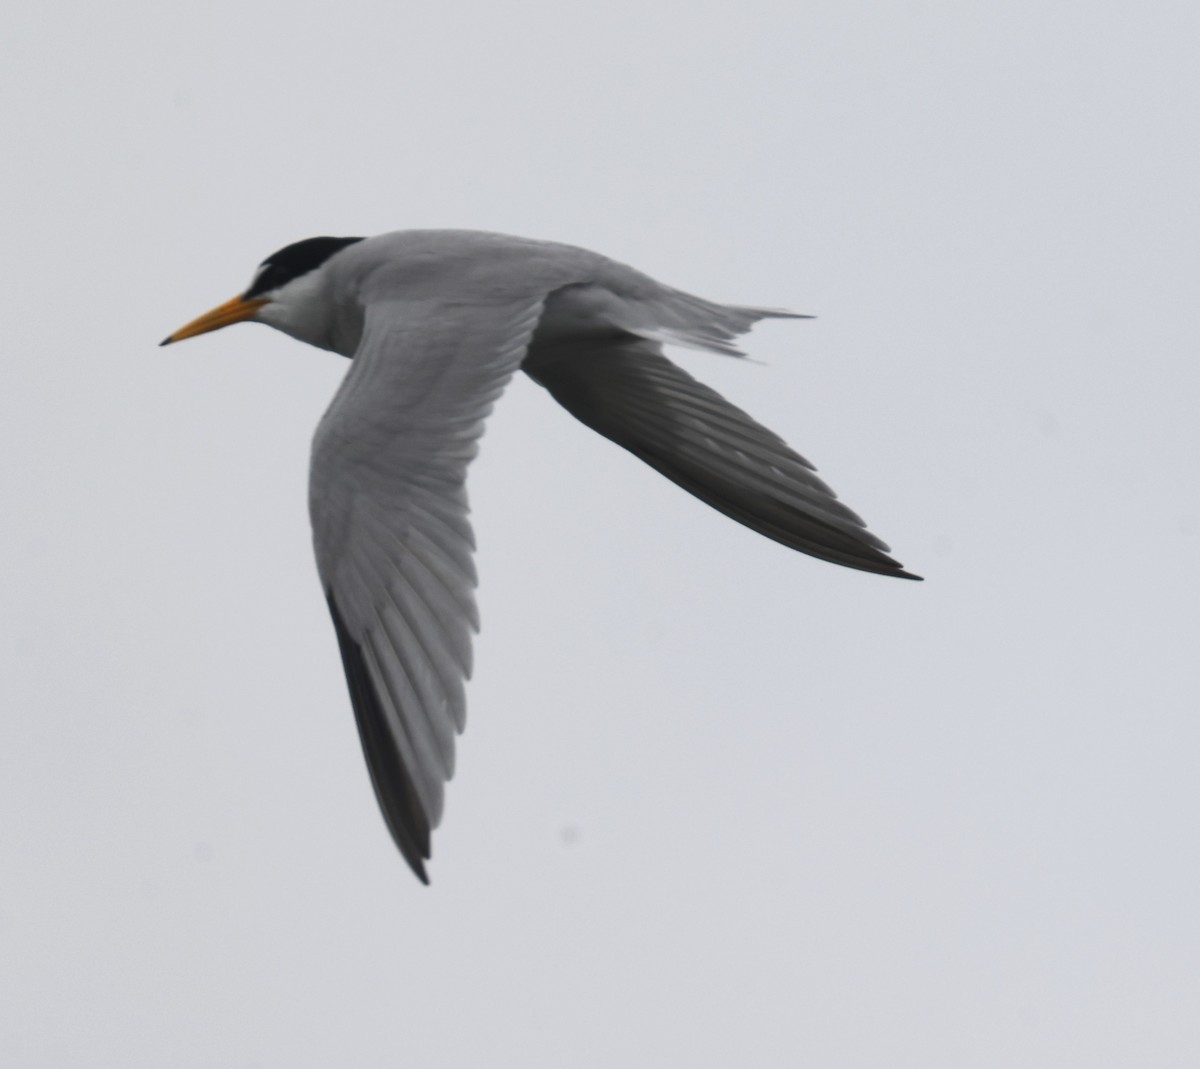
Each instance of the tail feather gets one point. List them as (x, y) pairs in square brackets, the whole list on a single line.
[(694, 323)]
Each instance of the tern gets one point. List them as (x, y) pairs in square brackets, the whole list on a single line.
[(436, 323)]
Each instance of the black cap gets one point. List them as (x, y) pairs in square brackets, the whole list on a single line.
[(292, 261)]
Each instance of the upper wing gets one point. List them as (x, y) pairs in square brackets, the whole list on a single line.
[(392, 538), (623, 387)]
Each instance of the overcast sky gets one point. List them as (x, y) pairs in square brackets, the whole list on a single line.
[(718, 804)]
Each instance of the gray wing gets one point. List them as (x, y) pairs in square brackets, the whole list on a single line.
[(393, 541), (623, 387)]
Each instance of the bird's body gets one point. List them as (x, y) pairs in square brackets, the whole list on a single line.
[(437, 322)]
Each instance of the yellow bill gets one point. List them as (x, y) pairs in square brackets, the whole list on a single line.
[(234, 311)]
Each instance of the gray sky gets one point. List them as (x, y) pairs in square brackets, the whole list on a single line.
[(718, 804)]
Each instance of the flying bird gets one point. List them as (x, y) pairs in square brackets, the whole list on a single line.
[(437, 322)]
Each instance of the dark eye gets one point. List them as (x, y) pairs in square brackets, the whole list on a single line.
[(270, 277)]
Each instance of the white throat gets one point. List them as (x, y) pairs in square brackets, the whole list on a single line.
[(306, 310)]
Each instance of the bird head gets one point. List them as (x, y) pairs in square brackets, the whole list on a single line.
[(284, 293)]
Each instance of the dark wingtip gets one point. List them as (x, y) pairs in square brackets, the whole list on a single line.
[(394, 789), (165, 341)]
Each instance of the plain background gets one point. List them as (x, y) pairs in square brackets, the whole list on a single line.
[(718, 804)]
